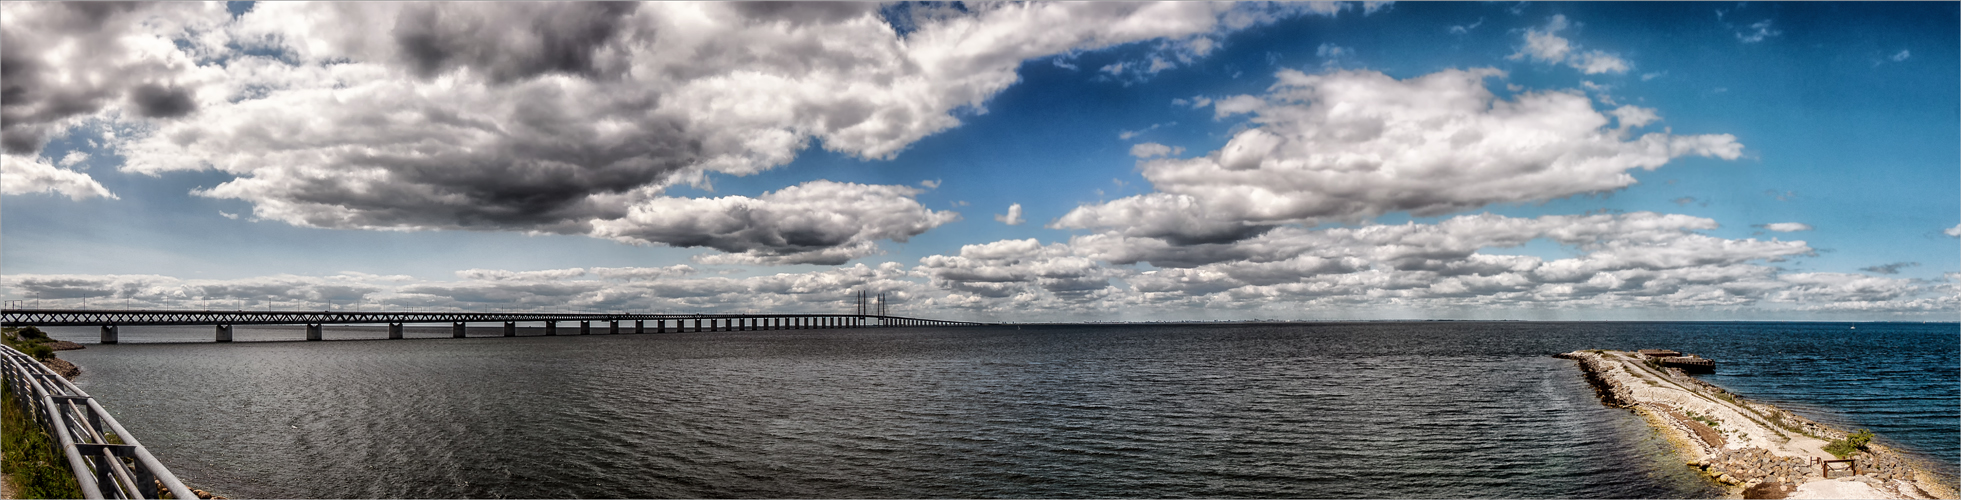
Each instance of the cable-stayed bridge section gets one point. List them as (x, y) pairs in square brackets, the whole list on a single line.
[(112, 319)]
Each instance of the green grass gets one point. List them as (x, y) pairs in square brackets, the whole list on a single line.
[(28, 340), (28, 456), (1842, 448)]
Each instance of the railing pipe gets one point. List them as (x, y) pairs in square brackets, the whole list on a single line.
[(68, 421)]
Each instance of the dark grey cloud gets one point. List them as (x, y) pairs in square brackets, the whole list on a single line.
[(1893, 268), (804, 12), (41, 88), (157, 101), (509, 41)]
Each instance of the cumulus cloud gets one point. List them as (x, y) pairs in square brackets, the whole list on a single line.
[(23, 175), (1013, 217), (68, 60), (1544, 45), (817, 222), (1350, 145), (1953, 231), (536, 117), (1010, 268), (1786, 227), (1152, 149)]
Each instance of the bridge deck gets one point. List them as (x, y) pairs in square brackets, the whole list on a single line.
[(145, 317)]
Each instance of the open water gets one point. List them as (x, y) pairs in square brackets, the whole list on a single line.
[(1417, 409)]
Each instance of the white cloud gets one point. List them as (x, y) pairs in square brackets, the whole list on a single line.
[(1757, 32), (1331, 51), (930, 184), (1466, 28), (817, 222), (1128, 134), (1953, 231), (1349, 145), (1546, 46), (1658, 263), (1152, 149), (1902, 56), (1786, 227), (1594, 62), (1625, 261), (73, 158), (24, 175), (1013, 217)]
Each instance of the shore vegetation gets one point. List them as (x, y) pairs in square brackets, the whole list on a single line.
[(28, 457), (1852, 444)]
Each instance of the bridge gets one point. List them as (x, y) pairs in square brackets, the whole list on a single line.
[(112, 319)]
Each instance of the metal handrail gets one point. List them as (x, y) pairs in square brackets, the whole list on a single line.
[(127, 469)]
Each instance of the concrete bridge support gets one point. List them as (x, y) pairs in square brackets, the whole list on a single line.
[(224, 333), (510, 328), (394, 331), (108, 334), (551, 328), (585, 328), (639, 326), (313, 331), (615, 328), (660, 326), (697, 326), (456, 330)]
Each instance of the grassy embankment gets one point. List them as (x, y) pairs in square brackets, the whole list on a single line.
[(34, 467)]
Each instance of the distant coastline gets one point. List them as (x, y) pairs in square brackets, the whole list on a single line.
[(1755, 449)]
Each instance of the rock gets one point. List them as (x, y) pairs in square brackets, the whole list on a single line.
[(64, 368)]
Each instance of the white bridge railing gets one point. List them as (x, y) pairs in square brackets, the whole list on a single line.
[(103, 469)]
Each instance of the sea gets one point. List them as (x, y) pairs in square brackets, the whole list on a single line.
[(1324, 410)]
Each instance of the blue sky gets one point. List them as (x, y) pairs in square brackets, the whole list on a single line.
[(1800, 160)]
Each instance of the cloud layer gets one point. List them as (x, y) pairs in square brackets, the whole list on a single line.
[(1640, 263), (568, 118)]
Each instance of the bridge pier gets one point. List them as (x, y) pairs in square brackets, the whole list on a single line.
[(510, 328), (456, 330), (108, 334), (639, 326), (551, 328), (585, 328), (615, 328), (697, 326), (660, 326), (394, 331), (224, 333), (313, 331)]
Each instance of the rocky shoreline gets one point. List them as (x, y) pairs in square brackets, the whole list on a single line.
[(1754, 449)]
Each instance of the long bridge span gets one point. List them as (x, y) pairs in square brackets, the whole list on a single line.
[(112, 319)]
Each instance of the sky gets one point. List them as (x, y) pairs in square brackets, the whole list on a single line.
[(989, 162)]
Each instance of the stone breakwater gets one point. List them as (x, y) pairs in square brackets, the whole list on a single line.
[(1755, 449)]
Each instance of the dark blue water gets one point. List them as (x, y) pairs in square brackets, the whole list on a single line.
[(1440, 409)]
